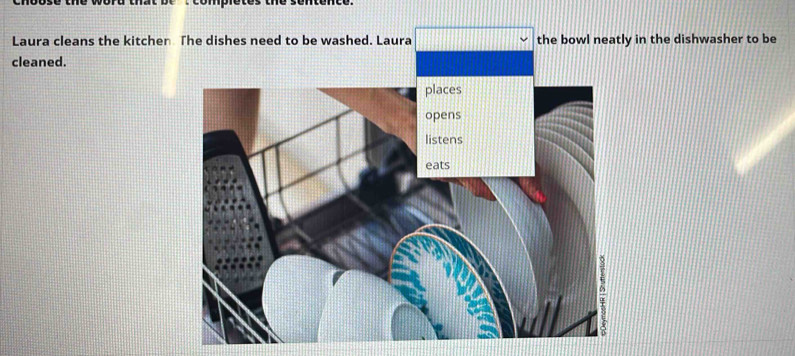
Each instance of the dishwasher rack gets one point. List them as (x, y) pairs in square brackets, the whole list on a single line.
[(388, 182)]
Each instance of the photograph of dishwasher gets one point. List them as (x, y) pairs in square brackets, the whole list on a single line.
[(321, 180)]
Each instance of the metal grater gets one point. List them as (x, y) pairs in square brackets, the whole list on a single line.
[(238, 241)]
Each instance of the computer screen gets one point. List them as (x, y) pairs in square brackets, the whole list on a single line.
[(381, 177)]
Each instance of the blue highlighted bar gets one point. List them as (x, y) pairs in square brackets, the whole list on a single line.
[(474, 63)]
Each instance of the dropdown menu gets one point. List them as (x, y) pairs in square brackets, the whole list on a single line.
[(474, 102)]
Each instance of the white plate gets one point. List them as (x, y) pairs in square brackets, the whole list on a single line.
[(431, 274), (574, 272), (575, 115), (570, 208), (554, 163), (531, 224), (485, 270), (514, 235), (569, 133), (579, 103), (568, 122), (561, 141), (490, 229), (580, 110)]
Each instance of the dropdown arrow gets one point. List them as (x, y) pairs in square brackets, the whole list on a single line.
[(524, 39)]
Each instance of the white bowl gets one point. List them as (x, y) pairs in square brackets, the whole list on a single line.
[(293, 296), (363, 307)]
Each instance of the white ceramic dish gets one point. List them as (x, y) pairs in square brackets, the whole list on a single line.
[(568, 122), (580, 108), (363, 307), (530, 222), (571, 148), (554, 163), (485, 270), (579, 103), (293, 295), (575, 115), (437, 279), (585, 114), (574, 272), (488, 226), (571, 134)]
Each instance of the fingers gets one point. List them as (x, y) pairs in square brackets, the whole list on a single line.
[(532, 187), (529, 185), (477, 187)]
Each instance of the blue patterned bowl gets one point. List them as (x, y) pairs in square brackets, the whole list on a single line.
[(483, 267), (438, 280)]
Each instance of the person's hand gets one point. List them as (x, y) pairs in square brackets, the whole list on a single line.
[(397, 115), (531, 186)]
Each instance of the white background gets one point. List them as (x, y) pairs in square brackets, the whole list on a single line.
[(101, 237)]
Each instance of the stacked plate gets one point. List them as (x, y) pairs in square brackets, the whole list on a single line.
[(564, 153), (515, 238), (515, 235), (446, 276)]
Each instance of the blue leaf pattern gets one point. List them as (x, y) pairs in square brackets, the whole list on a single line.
[(485, 272), (406, 280)]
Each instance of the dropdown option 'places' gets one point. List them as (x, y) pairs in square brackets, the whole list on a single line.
[(474, 102)]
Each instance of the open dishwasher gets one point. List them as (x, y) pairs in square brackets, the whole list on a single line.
[(354, 230)]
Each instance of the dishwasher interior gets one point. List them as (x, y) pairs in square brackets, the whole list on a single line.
[(387, 201)]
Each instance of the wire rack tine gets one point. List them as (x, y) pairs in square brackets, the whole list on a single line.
[(220, 310), (236, 316), (348, 189), (367, 132), (543, 320), (588, 327), (279, 184), (237, 302), (353, 197), (571, 327), (264, 177), (554, 316), (216, 334)]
